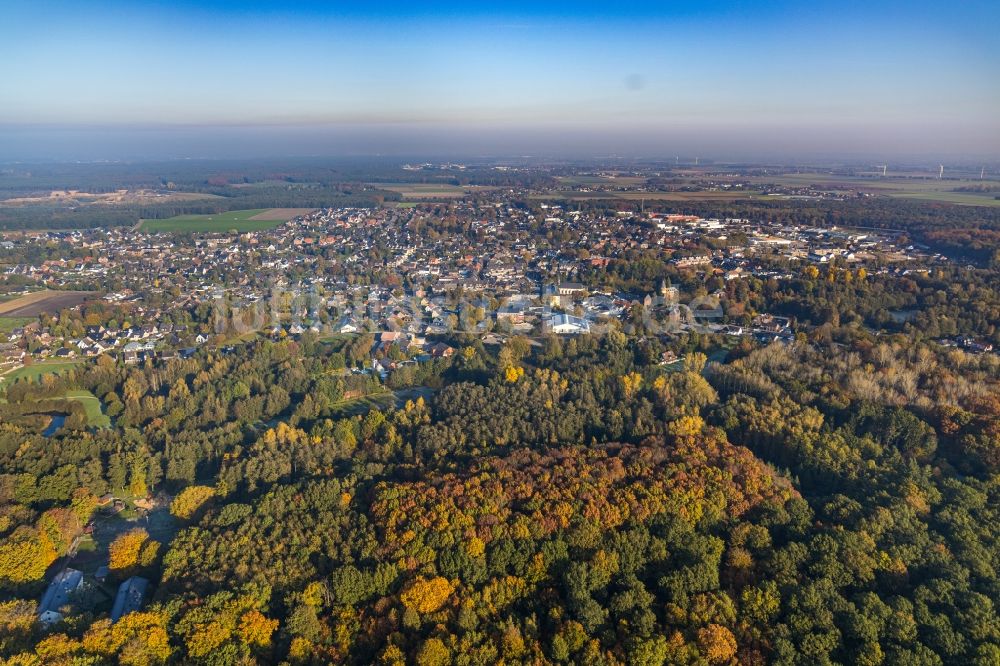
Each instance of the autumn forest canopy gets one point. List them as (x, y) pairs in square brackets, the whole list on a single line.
[(594, 508)]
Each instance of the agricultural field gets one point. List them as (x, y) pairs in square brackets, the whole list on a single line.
[(234, 220), (41, 302), (917, 189), (281, 214), (571, 194), (620, 181), (7, 324), (706, 195), (961, 198), (275, 183), (430, 190)]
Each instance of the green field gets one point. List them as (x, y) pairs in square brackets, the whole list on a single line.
[(7, 324), (216, 223), (961, 198), (92, 404), (36, 370)]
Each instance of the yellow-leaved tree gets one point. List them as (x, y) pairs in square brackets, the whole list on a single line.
[(631, 383), (190, 501), (686, 426), (17, 619), (25, 555), (256, 628), (427, 595), (513, 373), (224, 619), (433, 653), (132, 550), (137, 639)]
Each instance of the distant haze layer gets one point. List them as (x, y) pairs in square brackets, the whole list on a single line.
[(464, 141)]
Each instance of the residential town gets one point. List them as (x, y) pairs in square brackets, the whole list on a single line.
[(493, 265)]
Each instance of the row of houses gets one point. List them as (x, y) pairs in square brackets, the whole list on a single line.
[(66, 587)]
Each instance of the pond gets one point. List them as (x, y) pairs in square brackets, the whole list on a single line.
[(902, 316), (54, 425)]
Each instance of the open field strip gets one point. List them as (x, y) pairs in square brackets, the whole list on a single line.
[(255, 219), (39, 302)]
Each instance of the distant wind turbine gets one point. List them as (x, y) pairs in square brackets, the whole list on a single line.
[(941, 172)]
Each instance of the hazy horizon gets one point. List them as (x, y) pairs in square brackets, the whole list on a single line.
[(720, 80)]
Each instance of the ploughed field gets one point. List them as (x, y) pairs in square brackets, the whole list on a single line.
[(40, 302)]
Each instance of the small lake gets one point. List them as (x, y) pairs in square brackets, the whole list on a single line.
[(57, 422)]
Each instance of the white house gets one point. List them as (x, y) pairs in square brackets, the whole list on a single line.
[(564, 324)]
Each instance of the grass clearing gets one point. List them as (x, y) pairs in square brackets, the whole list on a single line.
[(240, 221), (383, 401), (364, 404), (36, 370), (93, 407), (338, 339)]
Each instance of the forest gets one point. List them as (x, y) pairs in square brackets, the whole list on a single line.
[(574, 502)]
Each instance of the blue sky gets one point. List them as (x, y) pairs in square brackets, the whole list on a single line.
[(914, 78)]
